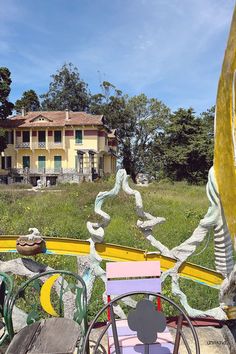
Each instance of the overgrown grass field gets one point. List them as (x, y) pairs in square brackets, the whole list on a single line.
[(64, 213)]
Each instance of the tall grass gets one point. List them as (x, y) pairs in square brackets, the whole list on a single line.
[(65, 213)]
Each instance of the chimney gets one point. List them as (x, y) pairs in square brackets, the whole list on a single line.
[(67, 114), (23, 111)]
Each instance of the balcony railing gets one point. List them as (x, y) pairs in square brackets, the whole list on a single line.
[(45, 171), (22, 145), (38, 145), (53, 145)]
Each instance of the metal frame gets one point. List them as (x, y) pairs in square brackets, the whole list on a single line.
[(7, 279), (81, 305), (179, 333)]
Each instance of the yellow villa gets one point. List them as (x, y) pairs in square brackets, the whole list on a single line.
[(57, 146)]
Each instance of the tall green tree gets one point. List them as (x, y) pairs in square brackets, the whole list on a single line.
[(186, 147), (3, 143), (67, 90), (149, 118), (137, 120), (6, 106), (29, 101), (207, 119)]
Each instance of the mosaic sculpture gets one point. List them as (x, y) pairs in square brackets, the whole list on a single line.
[(221, 192), (213, 219), (221, 215)]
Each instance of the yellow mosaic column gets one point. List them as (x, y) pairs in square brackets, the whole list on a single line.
[(225, 125)]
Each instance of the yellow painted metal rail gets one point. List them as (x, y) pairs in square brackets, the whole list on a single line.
[(74, 247)]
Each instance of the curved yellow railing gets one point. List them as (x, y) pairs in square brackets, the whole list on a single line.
[(74, 247)]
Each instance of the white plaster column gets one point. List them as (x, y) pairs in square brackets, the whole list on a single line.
[(46, 133), (31, 139)]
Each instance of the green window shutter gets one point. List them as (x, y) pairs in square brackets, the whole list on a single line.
[(78, 137), (57, 136), (41, 162), (57, 162), (26, 161)]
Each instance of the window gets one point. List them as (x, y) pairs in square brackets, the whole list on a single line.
[(3, 163), (57, 163), (57, 136), (101, 163), (41, 136), (41, 162), (78, 137), (81, 162), (26, 136), (91, 159), (41, 139), (26, 161), (8, 162), (40, 119)]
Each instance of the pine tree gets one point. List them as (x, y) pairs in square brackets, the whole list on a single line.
[(29, 101), (66, 90), (6, 106)]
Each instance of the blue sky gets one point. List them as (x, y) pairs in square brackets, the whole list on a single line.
[(168, 49)]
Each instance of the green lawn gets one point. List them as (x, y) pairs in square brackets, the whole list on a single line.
[(65, 213)]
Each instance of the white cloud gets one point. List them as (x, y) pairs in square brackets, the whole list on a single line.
[(173, 33), (139, 45)]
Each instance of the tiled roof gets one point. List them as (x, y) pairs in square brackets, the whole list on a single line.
[(9, 123), (53, 119)]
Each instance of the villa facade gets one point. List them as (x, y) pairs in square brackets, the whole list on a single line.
[(57, 146)]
